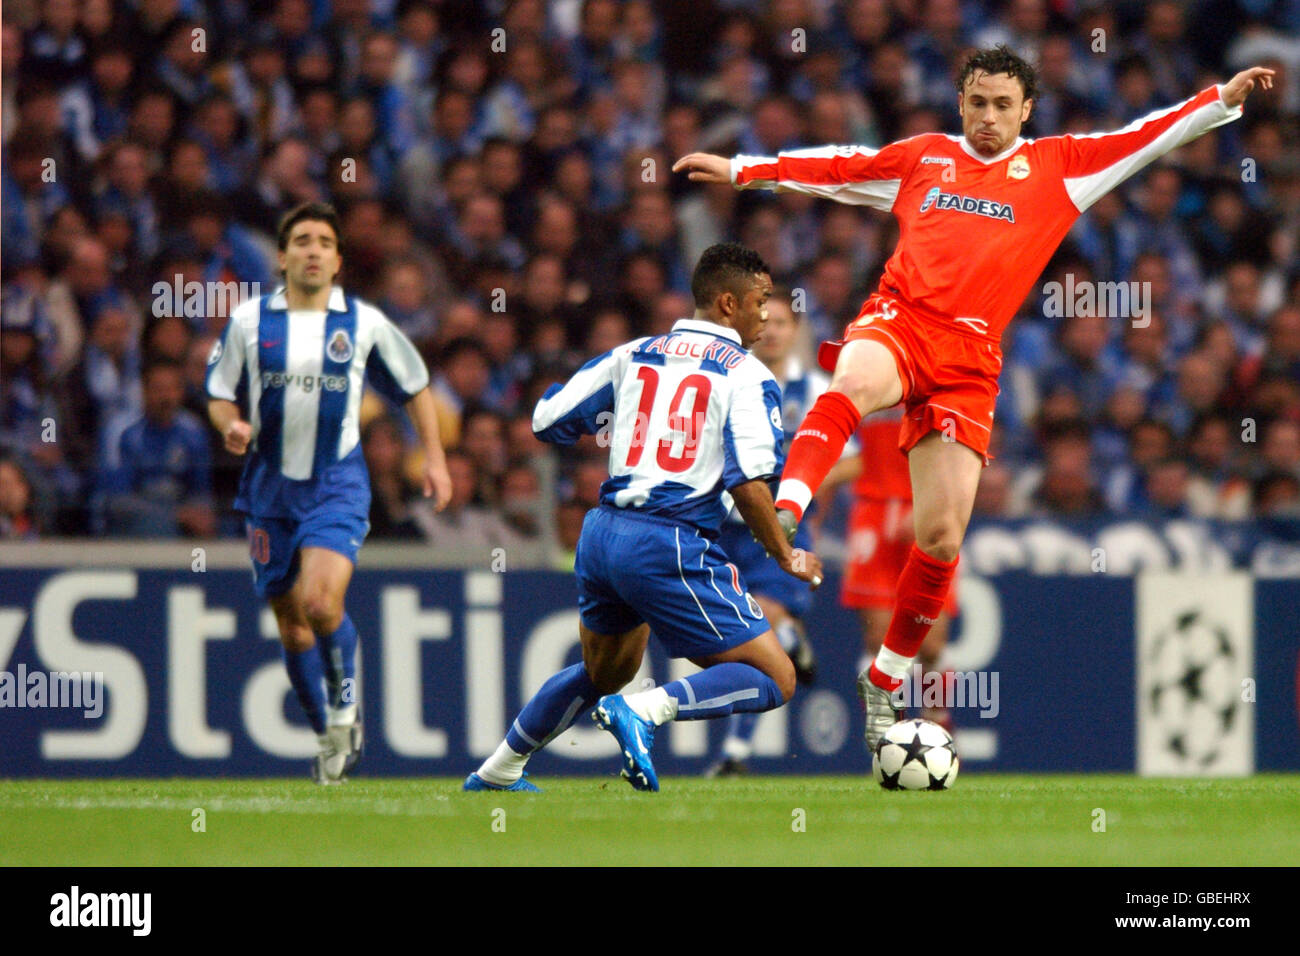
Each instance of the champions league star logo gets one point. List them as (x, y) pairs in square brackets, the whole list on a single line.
[(1192, 693), (340, 347)]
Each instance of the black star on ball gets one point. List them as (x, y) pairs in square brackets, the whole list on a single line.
[(915, 750)]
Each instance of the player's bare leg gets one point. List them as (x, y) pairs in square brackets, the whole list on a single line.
[(609, 662), (945, 475), (866, 379), (613, 660), (311, 617)]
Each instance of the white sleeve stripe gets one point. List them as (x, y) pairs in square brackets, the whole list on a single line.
[(1086, 190), (880, 193), (584, 383)]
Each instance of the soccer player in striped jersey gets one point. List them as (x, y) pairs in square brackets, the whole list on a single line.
[(687, 415), (979, 217), (300, 358)]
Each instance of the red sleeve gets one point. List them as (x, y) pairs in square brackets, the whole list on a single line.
[(852, 174)]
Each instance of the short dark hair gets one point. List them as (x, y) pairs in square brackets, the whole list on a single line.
[(723, 268), (1000, 59), (308, 212)]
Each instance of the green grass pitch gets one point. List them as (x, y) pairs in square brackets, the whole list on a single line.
[(986, 820)]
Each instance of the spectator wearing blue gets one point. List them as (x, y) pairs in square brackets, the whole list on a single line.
[(394, 113), (591, 53), (260, 89), (231, 152), (359, 141), (1108, 238), (156, 471), (30, 195), (183, 66), (103, 386), (1162, 231), (128, 191), (55, 51), (225, 248), (97, 107)]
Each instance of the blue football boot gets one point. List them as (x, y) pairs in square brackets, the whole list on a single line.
[(635, 736), (475, 782)]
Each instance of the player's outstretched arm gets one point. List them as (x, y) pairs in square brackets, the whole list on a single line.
[(1235, 91), (437, 480), (235, 432), (754, 501)]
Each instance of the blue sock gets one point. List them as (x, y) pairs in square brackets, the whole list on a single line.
[(338, 653), (723, 689), (741, 726), (562, 700), (308, 680)]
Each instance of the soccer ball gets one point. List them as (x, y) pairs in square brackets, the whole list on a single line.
[(915, 755)]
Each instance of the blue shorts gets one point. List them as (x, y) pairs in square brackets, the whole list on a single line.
[(762, 573), (634, 568), (273, 545)]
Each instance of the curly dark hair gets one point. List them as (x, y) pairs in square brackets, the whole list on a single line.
[(724, 267), (1000, 59)]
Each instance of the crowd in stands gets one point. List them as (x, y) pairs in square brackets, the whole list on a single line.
[(502, 173)]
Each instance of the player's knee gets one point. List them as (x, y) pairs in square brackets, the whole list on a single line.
[(784, 679), (324, 611), (297, 638), (941, 540), (858, 386)]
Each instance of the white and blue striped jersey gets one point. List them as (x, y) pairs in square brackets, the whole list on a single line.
[(803, 386), (304, 373), (686, 415)]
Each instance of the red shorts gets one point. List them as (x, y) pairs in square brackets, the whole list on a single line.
[(949, 375), (879, 541)]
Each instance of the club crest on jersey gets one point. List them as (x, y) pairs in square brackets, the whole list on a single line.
[(989, 208), (340, 347), (1018, 168), (776, 418), (215, 355)]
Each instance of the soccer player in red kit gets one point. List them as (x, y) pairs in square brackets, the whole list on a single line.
[(979, 217)]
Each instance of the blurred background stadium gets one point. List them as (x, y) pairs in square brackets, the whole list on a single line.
[(502, 174)]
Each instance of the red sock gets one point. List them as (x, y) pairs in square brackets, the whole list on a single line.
[(816, 447), (922, 593)]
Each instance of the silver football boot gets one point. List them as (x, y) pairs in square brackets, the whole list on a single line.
[(879, 705)]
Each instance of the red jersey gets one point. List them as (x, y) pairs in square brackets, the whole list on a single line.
[(975, 232), (885, 473)]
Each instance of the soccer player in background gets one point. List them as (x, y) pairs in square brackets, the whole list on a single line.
[(979, 217), (303, 355), (784, 599), (687, 415), (879, 541)]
